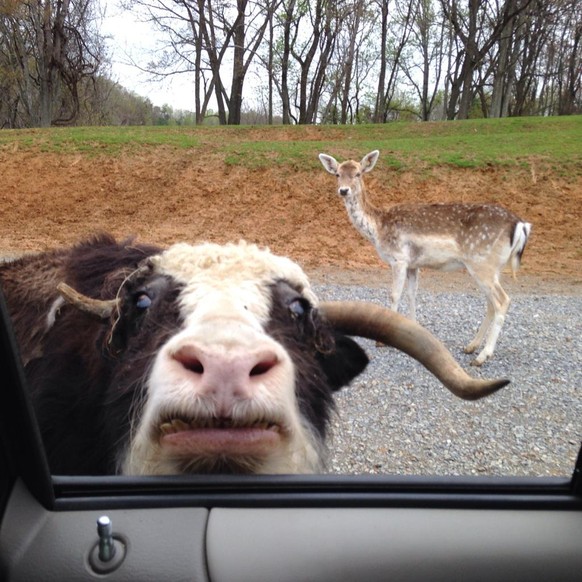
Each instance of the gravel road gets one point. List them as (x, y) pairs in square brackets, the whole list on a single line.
[(396, 418)]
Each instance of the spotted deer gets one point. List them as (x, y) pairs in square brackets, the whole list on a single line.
[(482, 238)]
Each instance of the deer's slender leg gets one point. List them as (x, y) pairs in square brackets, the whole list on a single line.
[(478, 339), (399, 269), (497, 305), (412, 282), (502, 302)]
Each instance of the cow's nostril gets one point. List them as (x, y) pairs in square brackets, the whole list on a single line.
[(189, 360), (195, 366), (262, 367)]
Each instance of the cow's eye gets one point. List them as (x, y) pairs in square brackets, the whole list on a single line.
[(298, 307), (142, 300)]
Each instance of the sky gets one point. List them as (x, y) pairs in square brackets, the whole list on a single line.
[(134, 40)]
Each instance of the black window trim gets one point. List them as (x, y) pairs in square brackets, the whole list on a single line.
[(548, 493)]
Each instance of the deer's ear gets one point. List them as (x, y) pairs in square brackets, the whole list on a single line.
[(329, 163), (369, 161)]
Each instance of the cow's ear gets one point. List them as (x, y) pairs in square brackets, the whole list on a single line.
[(344, 363)]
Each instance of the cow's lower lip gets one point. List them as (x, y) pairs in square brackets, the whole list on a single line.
[(221, 441)]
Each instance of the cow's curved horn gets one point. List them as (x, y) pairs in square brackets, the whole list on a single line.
[(99, 307), (378, 323)]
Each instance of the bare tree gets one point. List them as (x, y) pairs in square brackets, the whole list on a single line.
[(208, 38), (504, 68), (48, 48), (530, 40), (314, 56), (423, 63), (353, 62), (286, 18), (478, 28), (570, 60), (353, 27), (271, 63), (549, 59), (397, 38), (247, 33), (305, 47)]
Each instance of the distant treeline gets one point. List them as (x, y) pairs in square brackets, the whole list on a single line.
[(309, 61)]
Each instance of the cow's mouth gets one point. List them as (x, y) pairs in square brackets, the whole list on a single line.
[(175, 425), (219, 437)]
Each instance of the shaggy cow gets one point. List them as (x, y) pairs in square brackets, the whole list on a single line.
[(192, 359)]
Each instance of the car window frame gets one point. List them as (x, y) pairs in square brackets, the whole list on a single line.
[(22, 457)]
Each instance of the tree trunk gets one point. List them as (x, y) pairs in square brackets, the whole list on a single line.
[(507, 56), (238, 68), (349, 64), (379, 106)]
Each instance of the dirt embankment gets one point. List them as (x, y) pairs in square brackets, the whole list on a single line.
[(163, 195)]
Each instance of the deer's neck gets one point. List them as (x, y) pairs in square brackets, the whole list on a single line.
[(363, 214)]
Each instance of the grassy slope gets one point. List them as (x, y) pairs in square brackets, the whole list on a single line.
[(556, 141)]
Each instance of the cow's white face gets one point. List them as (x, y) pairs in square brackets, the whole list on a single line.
[(221, 391)]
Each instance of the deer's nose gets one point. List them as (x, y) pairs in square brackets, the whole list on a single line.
[(344, 191)]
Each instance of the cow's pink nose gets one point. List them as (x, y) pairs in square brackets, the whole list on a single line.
[(226, 373)]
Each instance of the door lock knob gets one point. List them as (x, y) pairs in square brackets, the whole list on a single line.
[(109, 552)]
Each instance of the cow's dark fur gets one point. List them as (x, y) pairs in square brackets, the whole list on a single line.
[(86, 375)]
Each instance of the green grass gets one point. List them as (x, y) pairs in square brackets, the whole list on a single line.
[(556, 141), (106, 140)]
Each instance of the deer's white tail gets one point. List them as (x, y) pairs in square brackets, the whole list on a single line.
[(519, 240)]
